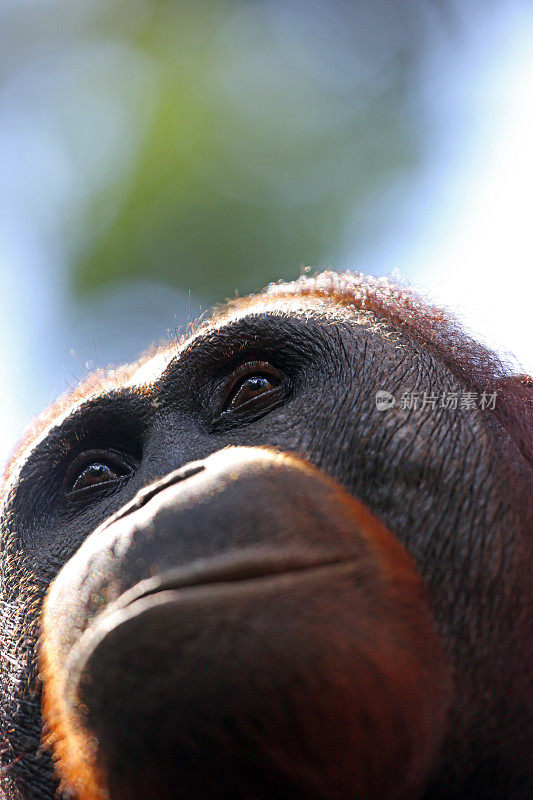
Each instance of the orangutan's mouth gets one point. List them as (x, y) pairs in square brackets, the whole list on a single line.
[(248, 567)]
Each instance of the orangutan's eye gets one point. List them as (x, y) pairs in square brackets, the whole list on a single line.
[(252, 384), (93, 470)]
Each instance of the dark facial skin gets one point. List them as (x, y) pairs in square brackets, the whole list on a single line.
[(251, 626)]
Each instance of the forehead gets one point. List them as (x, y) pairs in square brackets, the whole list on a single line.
[(147, 370), (263, 309)]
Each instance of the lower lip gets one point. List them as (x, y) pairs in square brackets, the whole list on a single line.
[(138, 600)]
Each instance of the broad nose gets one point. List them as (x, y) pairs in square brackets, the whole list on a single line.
[(263, 508)]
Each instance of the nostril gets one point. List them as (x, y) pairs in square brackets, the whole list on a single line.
[(144, 495)]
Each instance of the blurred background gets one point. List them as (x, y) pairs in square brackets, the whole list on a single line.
[(156, 157)]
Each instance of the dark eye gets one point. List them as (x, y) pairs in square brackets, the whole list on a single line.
[(251, 384), (95, 470)]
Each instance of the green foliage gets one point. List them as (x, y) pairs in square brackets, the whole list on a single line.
[(212, 146), (252, 162)]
